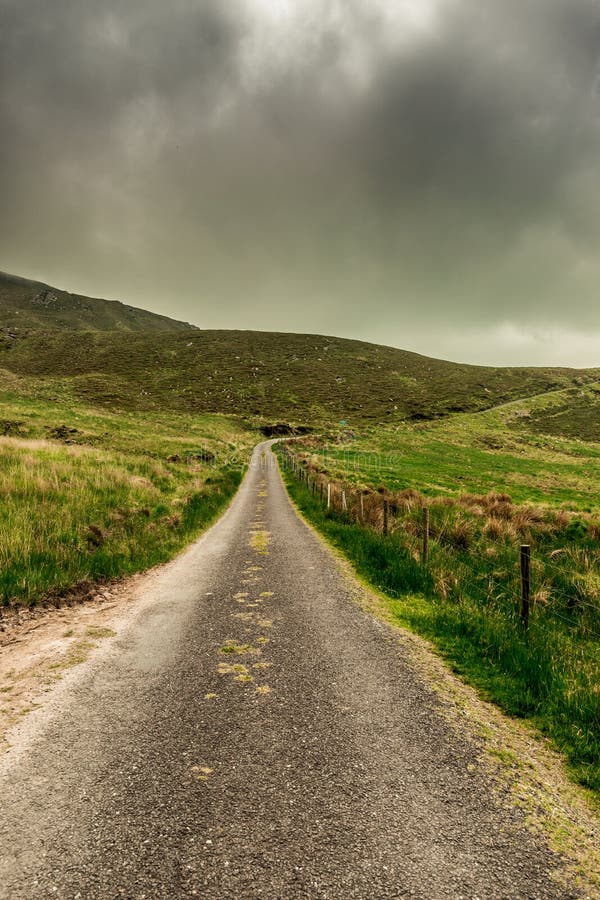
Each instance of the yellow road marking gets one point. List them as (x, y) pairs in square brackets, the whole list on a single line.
[(259, 541)]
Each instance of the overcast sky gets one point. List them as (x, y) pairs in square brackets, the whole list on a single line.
[(421, 173)]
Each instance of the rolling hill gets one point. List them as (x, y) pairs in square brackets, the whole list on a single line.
[(304, 378), (107, 354), (26, 304)]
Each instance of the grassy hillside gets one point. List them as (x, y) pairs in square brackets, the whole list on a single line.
[(102, 352), (89, 495), (26, 305), (305, 378), (571, 414), (503, 449)]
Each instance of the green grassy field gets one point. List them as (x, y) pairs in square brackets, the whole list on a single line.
[(90, 495), (491, 482), (503, 449)]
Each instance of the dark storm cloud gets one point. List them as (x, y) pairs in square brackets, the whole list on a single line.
[(357, 168)]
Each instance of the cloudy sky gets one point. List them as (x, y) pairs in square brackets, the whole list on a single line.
[(421, 173)]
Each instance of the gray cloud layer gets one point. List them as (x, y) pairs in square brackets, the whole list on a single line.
[(357, 168)]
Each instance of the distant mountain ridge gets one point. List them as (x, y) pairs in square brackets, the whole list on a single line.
[(34, 305)]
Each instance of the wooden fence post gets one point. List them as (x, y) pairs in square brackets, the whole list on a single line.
[(344, 504), (362, 507), (328, 495), (386, 517), (525, 584), (425, 558)]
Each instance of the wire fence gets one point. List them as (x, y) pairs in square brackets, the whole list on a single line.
[(564, 583)]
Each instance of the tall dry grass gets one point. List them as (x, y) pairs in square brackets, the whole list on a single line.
[(71, 515)]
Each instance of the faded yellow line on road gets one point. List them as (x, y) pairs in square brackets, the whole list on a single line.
[(259, 541)]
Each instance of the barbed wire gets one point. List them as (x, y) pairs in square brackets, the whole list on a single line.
[(540, 565), (572, 600)]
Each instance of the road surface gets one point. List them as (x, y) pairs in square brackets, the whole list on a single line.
[(254, 733)]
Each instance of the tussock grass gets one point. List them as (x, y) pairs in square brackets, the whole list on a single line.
[(72, 514)]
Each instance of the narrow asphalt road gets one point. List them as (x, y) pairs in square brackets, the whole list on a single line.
[(254, 733)]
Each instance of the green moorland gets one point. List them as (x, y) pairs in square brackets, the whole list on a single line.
[(103, 353), (90, 495), (303, 378), (491, 481)]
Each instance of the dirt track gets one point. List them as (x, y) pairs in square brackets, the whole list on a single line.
[(254, 733)]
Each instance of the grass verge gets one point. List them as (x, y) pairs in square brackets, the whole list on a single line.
[(550, 675), (88, 496)]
